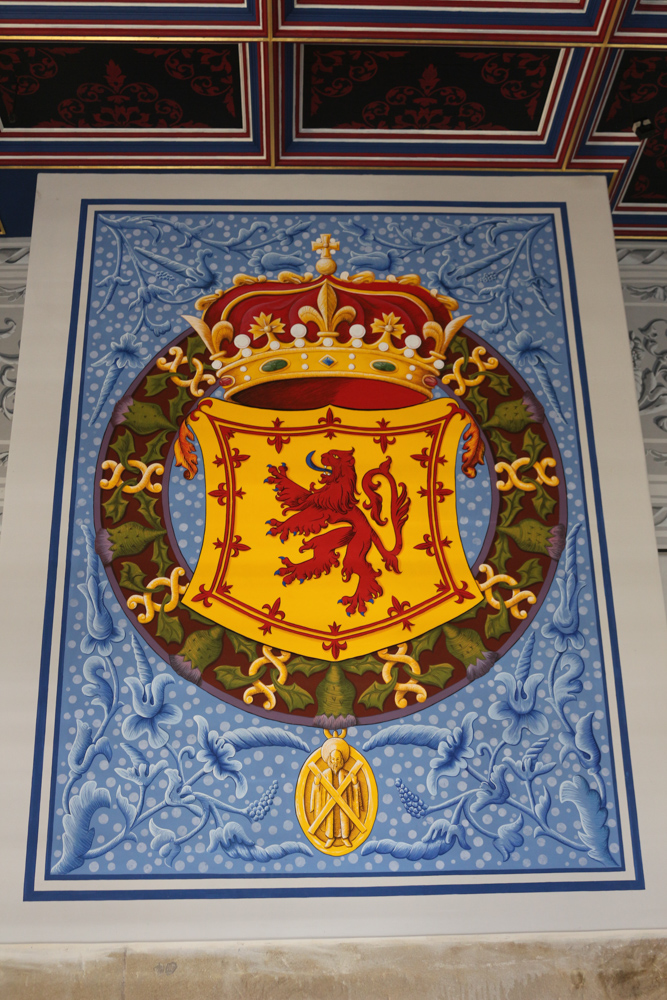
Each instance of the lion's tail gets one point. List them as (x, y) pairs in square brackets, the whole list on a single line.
[(399, 508)]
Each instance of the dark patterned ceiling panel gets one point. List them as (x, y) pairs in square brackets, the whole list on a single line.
[(424, 87), (638, 91), (506, 21), (121, 87), (396, 105), (648, 182), (118, 104), (632, 87)]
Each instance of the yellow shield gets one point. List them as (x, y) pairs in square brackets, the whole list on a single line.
[(331, 533)]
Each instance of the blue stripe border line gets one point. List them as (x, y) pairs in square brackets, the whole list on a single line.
[(33, 894)]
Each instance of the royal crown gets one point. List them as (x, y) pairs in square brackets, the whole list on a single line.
[(350, 328)]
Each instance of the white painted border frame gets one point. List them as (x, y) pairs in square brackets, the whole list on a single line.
[(23, 562)]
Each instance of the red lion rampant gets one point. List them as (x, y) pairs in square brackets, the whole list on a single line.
[(336, 502)]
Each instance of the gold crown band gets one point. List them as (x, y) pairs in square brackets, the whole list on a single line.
[(315, 361)]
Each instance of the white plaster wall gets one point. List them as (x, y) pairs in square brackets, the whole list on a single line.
[(643, 272), (14, 255)]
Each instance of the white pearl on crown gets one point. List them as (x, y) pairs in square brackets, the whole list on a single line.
[(357, 331), (298, 330), (412, 340), (242, 340)]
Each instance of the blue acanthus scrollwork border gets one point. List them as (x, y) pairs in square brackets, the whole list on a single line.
[(514, 774)]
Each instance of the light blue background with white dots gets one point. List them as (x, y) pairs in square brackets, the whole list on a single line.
[(177, 268)]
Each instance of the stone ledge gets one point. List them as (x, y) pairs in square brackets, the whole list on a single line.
[(556, 967)]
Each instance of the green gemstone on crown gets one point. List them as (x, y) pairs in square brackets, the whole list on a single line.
[(274, 365)]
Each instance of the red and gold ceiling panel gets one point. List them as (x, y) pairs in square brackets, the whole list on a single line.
[(379, 84)]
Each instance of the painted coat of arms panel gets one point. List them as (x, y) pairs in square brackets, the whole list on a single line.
[(330, 599)]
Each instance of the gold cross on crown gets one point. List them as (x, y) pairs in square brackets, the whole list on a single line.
[(325, 246)]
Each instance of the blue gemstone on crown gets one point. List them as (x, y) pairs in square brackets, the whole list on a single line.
[(327, 361)]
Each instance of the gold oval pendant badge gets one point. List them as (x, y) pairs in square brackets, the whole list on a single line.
[(336, 797)]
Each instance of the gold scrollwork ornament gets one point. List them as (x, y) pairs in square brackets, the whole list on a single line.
[(336, 797)]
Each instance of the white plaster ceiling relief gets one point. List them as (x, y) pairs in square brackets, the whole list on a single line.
[(643, 272), (14, 255), (9, 360)]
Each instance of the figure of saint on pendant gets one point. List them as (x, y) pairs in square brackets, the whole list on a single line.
[(336, 797)]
